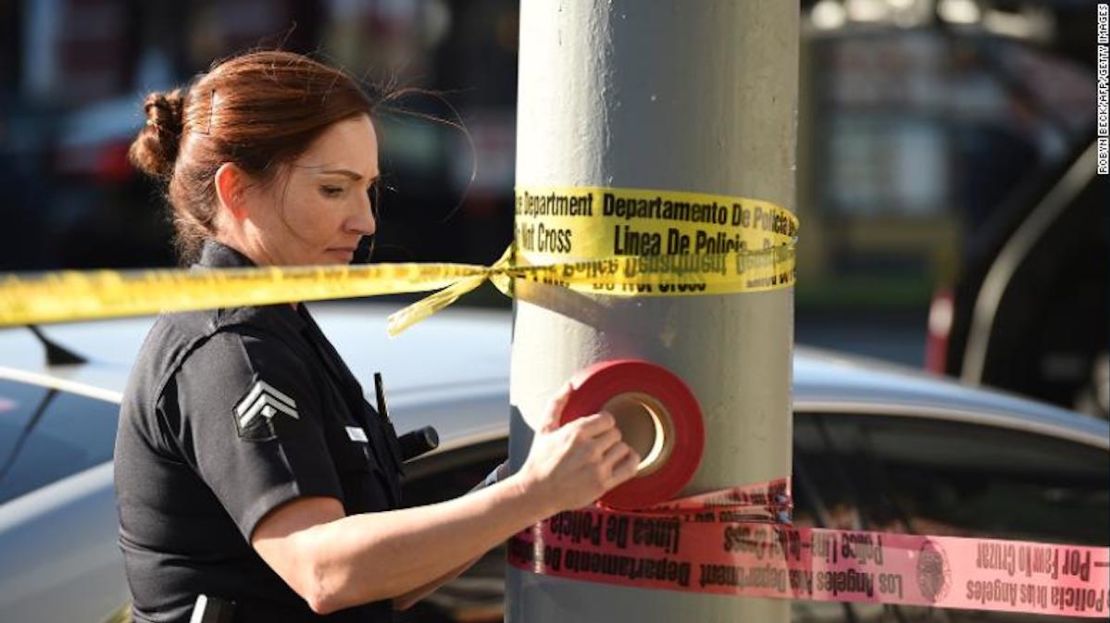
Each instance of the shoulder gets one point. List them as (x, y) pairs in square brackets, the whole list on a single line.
[(246, 351), (248, 372), (219, 356), (219, 347), (229, 337), (218, 367)]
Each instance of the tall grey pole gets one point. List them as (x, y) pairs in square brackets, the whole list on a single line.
[(673, 95)]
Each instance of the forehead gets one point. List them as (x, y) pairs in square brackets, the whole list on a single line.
[(350, 144)]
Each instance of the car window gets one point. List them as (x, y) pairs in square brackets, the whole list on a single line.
[(925, 476), (47, 435)]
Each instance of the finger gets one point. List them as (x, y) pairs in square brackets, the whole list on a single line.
[(605, 441), (615, 454), (625, 469), (594, 425), (555, 408)]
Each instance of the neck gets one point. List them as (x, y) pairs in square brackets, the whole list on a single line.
[(255, 254)]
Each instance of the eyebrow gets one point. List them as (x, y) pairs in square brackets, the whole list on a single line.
[(346, 173)]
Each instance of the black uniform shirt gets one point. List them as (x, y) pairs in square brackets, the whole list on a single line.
[(228, 414)]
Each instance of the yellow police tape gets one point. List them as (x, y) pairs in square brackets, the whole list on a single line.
[(617, 242)]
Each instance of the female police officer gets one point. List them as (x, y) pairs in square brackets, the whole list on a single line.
[(248, 465)]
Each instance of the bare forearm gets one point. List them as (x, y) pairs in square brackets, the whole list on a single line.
[(373, 556), (407, 600), (335, 562)]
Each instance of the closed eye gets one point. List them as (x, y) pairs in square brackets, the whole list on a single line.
[(331, 191)]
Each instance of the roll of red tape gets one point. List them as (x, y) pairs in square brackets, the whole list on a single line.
[(671, 407)]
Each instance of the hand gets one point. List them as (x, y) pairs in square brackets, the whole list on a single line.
[(572, 466)]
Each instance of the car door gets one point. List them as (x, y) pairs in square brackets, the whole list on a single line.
[(59, 560), (885, 472)]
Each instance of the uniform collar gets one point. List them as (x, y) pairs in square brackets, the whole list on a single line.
[(218, 255), (215, 254)]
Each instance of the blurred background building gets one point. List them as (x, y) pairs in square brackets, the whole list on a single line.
[(929, 132)]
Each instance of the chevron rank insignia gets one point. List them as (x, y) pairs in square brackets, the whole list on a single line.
[(255, 412)]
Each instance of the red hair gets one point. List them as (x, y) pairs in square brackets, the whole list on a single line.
[(259, 111)]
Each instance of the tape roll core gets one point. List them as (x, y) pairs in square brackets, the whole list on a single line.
[(660, 416), (646, 425)]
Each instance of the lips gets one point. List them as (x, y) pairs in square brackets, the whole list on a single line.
[(344, 253)]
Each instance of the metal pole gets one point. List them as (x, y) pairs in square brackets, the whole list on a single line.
[(672, 95)]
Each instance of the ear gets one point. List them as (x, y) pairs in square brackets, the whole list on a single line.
[(231, 185)]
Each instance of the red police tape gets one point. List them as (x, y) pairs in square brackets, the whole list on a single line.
[(740, 542), (709, 545)]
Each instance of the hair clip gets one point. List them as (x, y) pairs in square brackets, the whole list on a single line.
[(213, 102)]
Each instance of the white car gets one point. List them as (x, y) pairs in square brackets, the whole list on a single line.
[(874, 447)]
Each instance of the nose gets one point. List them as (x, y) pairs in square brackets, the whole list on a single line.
[(363, 221)]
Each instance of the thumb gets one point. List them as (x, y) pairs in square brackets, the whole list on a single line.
[(555, 409)]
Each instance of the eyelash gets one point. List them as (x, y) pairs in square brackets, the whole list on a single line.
[(331, 191)]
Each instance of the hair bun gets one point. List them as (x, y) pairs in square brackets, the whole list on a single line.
[(155, 149)]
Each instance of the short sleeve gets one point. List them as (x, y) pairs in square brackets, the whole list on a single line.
[(251, 425)]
